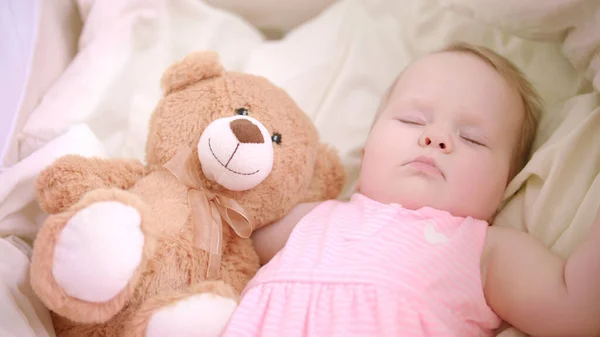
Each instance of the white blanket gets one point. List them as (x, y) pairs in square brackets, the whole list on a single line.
[(22, 313), (336, 66)]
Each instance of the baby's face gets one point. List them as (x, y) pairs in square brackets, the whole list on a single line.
[(445, 138)]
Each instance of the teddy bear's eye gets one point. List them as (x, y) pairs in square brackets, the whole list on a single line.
[(276, 138), (241, 112)]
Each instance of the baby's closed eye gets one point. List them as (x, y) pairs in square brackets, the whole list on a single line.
[(473, 140), (473, 136), (413, 119)]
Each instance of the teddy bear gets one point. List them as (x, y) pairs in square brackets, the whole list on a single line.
[(163, 248)]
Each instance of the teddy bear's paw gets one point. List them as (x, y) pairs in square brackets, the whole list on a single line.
[(98, 251), (202, 315)]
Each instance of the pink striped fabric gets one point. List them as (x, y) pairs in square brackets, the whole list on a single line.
[(363, 268)]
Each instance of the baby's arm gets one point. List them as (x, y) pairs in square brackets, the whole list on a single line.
[(540, 293), (270, 239)]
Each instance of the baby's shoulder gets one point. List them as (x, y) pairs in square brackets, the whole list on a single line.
[(497, 236), (502, 241)]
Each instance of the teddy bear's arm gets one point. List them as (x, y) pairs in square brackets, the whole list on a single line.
[(64, 182)]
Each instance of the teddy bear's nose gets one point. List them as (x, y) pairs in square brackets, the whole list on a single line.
[(246, 132)]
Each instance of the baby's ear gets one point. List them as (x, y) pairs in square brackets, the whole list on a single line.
[(329, 176), (192, 68)]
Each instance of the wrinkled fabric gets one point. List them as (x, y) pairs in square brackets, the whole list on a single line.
[(336, 66)]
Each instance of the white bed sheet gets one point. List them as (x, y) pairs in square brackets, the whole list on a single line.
[(336, 66)]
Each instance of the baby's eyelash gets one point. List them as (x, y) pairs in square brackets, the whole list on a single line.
[(410, 121), (472, 141)]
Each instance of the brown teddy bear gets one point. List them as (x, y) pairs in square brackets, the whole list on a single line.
[(163, 249)]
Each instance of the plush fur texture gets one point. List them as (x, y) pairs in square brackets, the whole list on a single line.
[(197, 92)]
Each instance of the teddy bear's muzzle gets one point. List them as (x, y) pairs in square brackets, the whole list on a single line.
[(236, 152)]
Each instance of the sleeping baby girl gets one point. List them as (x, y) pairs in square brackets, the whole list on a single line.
[(412, 252)]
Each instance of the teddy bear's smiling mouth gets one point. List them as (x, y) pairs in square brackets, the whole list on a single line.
[(225, 165)]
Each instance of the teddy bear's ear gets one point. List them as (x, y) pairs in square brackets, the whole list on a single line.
[(194, 67), (328, 178)]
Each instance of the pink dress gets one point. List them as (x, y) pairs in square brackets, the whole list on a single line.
[(362, 268)]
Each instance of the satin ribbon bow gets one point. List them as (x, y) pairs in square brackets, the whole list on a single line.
[(208, 210)]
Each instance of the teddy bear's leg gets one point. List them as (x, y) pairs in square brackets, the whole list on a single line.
[(202, 310), (87, 260)]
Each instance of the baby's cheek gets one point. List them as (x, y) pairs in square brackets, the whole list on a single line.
[(477, 178), (489, 179)]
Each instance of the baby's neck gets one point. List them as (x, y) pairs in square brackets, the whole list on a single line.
[(415, 205)]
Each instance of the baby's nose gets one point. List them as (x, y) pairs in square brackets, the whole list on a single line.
[(428, 141), (246, 132), (443, 143)]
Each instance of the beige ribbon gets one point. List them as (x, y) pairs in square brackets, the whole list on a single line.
[(209, 210)]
